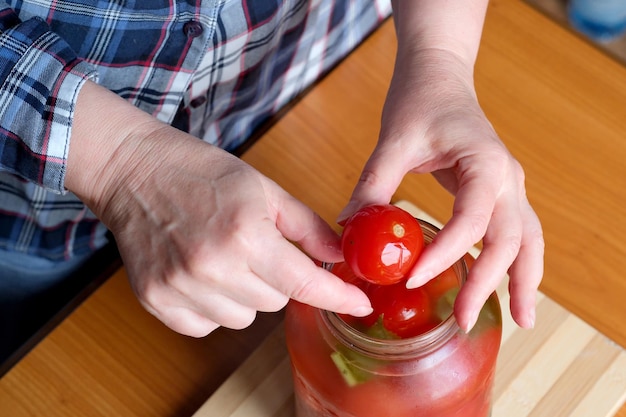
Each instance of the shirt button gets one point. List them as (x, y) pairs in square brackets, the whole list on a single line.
[(193, 29)]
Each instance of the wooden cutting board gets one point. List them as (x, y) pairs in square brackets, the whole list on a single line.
[(563, 367)]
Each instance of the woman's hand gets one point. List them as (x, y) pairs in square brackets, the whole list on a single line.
[(206, 239), (432, 123)]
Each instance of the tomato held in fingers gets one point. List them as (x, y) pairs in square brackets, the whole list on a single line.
[(381, 243)]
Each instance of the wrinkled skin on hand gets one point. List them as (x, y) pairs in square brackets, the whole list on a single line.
[(207, 240), (432, 123)]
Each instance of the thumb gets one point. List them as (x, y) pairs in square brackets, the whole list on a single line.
[(378, 182)]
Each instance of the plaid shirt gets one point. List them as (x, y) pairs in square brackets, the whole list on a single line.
[(214, 68)]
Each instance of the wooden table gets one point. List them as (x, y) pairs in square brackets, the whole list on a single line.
[(558, 103)]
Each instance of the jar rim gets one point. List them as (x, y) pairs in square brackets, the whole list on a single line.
[(397, 348)]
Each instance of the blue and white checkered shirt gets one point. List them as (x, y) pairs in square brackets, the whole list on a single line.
[(214, 68)]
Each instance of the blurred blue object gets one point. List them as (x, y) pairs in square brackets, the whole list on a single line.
[(600, 20)]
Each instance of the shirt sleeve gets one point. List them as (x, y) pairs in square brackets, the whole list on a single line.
[(40, 77)]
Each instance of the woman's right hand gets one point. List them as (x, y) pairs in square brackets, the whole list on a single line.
[(205, 238)]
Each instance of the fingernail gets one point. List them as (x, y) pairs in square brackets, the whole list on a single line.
[(471, 321), (531, 319), (346, 212), (342, 219), (418, 280), (362, 311)]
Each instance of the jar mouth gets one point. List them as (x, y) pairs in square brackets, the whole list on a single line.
[(399, 348), (424, 343)]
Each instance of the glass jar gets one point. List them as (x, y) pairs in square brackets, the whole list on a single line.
[(341, 372)]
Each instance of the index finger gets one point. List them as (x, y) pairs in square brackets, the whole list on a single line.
[(473, 208), (294, 274)]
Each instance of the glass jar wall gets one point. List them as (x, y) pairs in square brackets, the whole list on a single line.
[(343, 372)]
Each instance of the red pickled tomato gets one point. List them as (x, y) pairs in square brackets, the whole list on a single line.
[(405, 312), (381, 243)]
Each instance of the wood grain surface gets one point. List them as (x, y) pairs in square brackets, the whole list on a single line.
[(558, 103), (562, 368)]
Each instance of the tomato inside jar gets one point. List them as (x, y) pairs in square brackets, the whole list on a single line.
[(389, 364)]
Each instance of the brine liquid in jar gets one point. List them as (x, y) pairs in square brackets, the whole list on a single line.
[(379, 365)]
